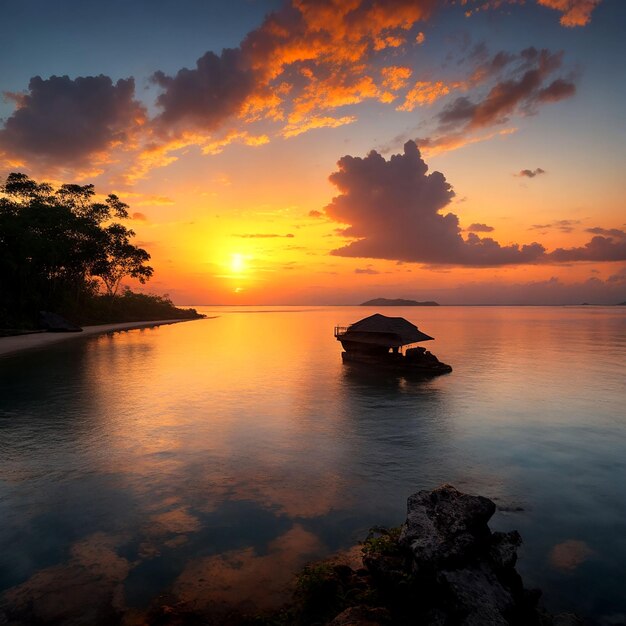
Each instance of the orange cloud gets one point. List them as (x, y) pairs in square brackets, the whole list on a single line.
[(575, 12), (395, 76), (292, 130), (445, 143), (334, 37), (424, 93)]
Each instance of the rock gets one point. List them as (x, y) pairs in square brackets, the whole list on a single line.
[(362, 616), (56, 324), (477, 597), (443, 567), (445, 527), (503, 549)]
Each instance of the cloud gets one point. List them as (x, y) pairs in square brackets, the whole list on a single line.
[(64, 120), (316, 46), (480, 228), (565, 226), (531, 173), (365, 270), (395, 76), (424, 93), (558, 89), (140, 217), (550, 291), (295, 129), (598, 249), (520, 93), (502, 85), (305, 61), (392, 209), (208, 94), (607, 232), (315, 213), (575, 12), (431, 146)]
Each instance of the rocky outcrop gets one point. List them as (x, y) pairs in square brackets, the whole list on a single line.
[(446, 547), (443, 566)]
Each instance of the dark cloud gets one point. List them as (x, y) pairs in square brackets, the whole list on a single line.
[(365, 270), (393, 211), (531, 173), (565, 226), (557, 90), (598, 249), (480, 228), (68, 120), (522, 91), (206, 95), (264, 236), (315, 213), (607, 232), (140, 217)]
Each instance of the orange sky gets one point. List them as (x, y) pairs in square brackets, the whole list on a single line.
[(226, 164)]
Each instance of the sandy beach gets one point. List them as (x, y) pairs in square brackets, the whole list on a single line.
[(11, 345)]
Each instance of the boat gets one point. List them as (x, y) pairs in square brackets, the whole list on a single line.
[(379, 341)]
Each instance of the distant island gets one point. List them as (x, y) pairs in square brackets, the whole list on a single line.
[(397, 302)]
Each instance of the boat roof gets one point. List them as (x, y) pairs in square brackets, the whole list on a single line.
[(382, 330)]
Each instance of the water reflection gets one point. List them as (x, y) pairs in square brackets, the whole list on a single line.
[(212, 459)]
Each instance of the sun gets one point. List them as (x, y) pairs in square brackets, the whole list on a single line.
[(237, 263)]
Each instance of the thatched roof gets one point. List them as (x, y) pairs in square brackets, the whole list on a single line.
[(382, 330)]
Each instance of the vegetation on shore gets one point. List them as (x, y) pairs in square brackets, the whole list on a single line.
[(62, 250), (131, 307)]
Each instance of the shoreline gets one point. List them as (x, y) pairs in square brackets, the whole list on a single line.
[(19, 343)]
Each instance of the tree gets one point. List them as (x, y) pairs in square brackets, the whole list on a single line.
[(119, 258), (55, 245)]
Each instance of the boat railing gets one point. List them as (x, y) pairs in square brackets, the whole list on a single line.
[(341, 330)]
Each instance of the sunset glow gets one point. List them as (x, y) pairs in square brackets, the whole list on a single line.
[(494, 133)]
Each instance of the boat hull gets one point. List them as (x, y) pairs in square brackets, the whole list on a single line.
[(399, 364)]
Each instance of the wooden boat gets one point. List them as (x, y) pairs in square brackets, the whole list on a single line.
[(379, 341)]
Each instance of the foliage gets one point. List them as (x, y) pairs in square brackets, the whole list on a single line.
[(131, 307), (382, 541), (58, 247), (320, 592)]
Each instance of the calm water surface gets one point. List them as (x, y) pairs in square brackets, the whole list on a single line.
[(212, 459)]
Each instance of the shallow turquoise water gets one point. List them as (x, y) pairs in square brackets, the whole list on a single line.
[(212, 459)]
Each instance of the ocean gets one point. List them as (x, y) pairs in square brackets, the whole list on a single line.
[(210, 460)]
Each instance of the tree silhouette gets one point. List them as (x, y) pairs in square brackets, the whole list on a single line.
[(58, 246)]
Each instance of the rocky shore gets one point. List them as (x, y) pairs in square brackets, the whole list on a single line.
[(442, 567)]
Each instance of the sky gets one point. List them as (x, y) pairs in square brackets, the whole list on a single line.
[(332, 151)]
